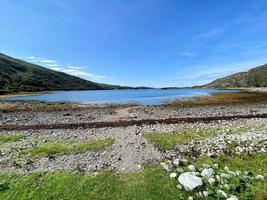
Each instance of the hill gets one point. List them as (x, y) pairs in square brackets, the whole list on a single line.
[(20, 76), (255, 77)]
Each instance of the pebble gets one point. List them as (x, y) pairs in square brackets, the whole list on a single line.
[(205, 193), (207, 172), (191, 167), (173, 175), (179, 186), (176, 162), (211, 181), (260, 177)]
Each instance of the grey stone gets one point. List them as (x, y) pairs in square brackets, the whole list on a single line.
[(190, 181)]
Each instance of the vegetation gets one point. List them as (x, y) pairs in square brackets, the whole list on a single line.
[(255, 77), (167, 141), (10, 138), (254, 163), (223, 99), (20, 76), (61, 148), (152, 183)]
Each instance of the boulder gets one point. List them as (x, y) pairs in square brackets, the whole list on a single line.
[(190, 181)]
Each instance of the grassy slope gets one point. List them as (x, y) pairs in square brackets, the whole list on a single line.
[(255, 77), (20, 76)]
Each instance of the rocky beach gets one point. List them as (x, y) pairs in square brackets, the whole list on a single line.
[(56, 137)]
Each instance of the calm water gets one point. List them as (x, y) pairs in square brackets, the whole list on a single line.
[(144, 97)]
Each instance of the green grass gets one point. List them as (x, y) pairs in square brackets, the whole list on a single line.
[(92, 145), (61, 148), (152, 183), (167, 141), (10, 138)]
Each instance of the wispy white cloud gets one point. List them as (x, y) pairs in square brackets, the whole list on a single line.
[(57, 68), (73, 67), (76, 71), (31, 57), (211, 72), (48, 61), (69, 69), (52, 65)]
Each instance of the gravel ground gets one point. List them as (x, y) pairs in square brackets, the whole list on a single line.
[(130, 149), (138, 112)]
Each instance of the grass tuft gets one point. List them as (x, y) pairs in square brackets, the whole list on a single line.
[(92, 145), (167, 141), (61, 148), (10, 138)]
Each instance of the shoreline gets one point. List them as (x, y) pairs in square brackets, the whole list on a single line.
[(172, 102)]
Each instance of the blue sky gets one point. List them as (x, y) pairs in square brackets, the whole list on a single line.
[(137, 42)]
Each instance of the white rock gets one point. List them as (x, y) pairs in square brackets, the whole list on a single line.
[(226, 176), (232, 197), (260, 177), (205, 193), (173, 175), (167, 165), (179, 186), (176, 161), (212, 154), (192, 168), (190, 181), (211, 181), (207, 172), (222, 193)]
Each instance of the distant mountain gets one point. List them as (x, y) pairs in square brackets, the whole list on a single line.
[(255, 77), (20, 76)]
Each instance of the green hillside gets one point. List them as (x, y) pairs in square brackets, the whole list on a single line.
[(255, 77), (20, 76)]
